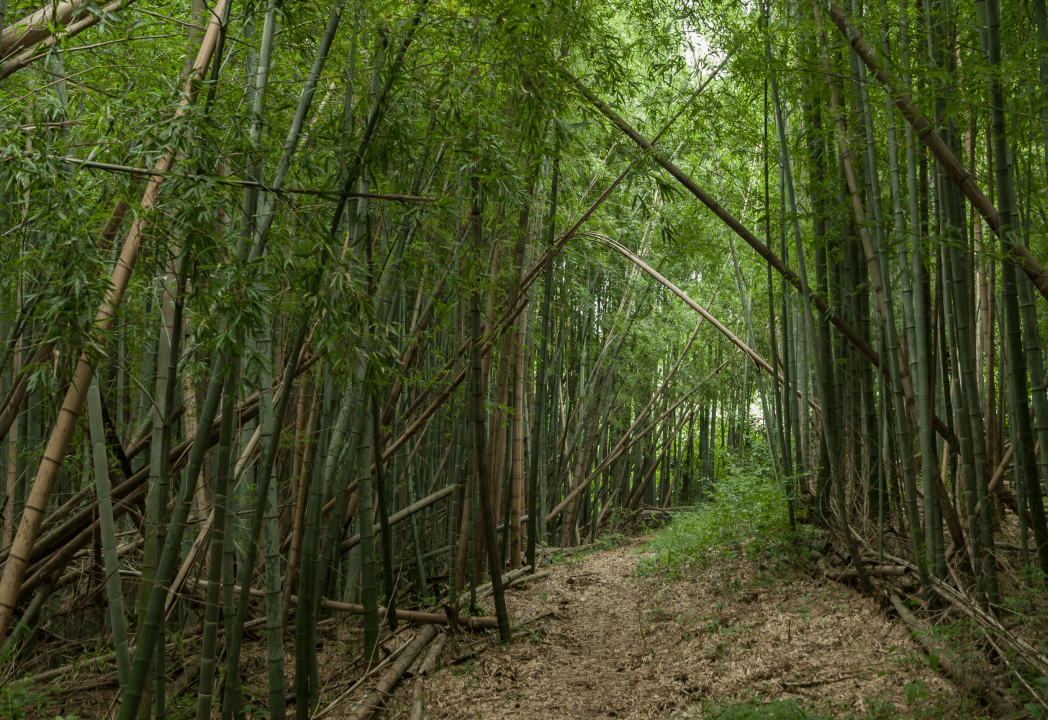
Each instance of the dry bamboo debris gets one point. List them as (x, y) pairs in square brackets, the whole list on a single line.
[(996, 697), (851, 573), (1034, 658), (521, 581), (957, 672), (415, 616), (392, 657), (100, 661)]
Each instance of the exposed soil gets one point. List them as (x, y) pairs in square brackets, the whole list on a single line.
[(619, 645)]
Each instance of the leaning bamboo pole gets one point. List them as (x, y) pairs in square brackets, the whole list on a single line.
[(37, 25), (743, 232), (73, 402), (926, 132)]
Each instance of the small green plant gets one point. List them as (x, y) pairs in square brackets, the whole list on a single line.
[(19, 698), (609, 541), (915, 691)]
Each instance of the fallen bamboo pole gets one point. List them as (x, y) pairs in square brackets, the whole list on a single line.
[(424, 669), (377, 698), (415, 616)]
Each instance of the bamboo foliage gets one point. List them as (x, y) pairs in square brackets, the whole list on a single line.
[(416, 301)]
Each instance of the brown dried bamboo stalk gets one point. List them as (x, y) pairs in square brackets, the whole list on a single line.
[(16, 395), (37, 25), (415, 616), (59, 534), (33, 51), (424, 669), (404, 514), (58, 444), (377, 698)]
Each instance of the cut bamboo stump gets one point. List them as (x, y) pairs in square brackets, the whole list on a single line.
[(377, 698)]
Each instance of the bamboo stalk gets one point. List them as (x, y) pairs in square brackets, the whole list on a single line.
[(950, 163), (73, 402), (114, 591)]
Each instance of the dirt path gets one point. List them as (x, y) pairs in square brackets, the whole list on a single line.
[(620, 645)]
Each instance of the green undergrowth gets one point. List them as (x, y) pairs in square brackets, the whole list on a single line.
[(746, 511), (918, 705), (756, 710)]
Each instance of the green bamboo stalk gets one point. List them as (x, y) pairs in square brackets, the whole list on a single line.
[(780, 419), (822, 381), (366, 525), (921, 342), (383, 514), (1020, 486), (970, 407), (537, 491), (752, 339), (308, 597), (103, 490), (416, 535), (150, 631), (383, 308), (266, 211), (220, 495), (876, 259), (264, 474), (156, 501), (342, 452), (258, 82), (1041, 20), (457, 476), (271, 534)]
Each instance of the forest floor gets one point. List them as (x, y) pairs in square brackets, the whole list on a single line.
[(602, 637), (619, 644)]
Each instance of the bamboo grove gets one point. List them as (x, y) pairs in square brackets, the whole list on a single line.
[(325, 308)]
